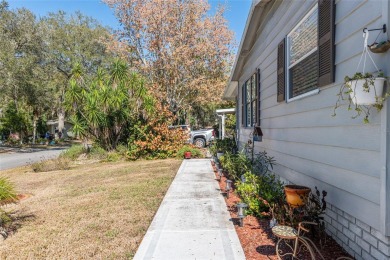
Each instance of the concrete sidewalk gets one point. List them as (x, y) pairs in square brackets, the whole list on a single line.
[(192, 221)]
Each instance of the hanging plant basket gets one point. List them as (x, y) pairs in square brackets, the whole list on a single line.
[(366, 91), (381, 47)]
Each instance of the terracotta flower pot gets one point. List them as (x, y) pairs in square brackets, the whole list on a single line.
[(296, 195), (187, 155)]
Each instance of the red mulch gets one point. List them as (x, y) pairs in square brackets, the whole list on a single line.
[(256, 236)]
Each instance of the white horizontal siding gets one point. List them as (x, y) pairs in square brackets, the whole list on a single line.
[(338, 154)]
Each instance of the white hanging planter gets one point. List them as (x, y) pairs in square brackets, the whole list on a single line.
[(366, 95), (364, 90), (219, 155)]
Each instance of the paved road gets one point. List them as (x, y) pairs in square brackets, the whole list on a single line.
[(20, 157)]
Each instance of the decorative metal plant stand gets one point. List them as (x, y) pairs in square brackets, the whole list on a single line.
[(293, 244)]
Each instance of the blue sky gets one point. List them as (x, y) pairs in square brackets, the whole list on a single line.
[(236, 14)]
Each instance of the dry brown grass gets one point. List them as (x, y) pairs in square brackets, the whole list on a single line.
[(98, 211)]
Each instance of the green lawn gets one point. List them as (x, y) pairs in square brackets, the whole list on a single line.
[(97, 211)]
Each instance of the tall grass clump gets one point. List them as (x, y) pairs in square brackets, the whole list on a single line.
[(73, 152), (60, 163), (7, 192)]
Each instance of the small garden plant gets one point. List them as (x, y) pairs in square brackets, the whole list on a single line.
[(263, 192), (195, 152)]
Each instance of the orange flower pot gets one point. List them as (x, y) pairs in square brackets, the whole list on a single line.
[(296, 195)]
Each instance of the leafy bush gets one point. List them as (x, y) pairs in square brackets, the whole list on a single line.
[(235, 164), (248, 192), (97, 152), (7, 191), (262, 163), (73, 152), (153, 138), (264, 193), (195, 152), (223, 146), (113, 156), (121, 150), (60, 163)]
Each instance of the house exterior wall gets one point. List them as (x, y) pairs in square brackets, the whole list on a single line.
[(341, 155)]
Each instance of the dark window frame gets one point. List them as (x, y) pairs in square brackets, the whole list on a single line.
[(326, 51), (289, 68), (251, 104)]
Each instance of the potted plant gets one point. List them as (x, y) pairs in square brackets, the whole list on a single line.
[(362, 91), (381, 47), (296, 195), (189, 151), (187, 155)]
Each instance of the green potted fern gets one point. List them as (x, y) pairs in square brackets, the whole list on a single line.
[(363, 91)]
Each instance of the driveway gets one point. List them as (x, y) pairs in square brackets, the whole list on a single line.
[(15, 157)]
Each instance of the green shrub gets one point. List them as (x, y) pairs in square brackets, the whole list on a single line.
[(223, 146), (7, 191), (262, 163), (237, 164), (73, 152), (113, 156), (121, 150), (195, 152), (248, 192), (60, 163), (97, 152)]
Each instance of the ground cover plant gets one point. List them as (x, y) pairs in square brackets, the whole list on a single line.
[(263, 192), (195, 151), (256, 236), (93, 210)]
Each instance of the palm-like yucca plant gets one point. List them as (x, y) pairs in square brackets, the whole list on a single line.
[(104, 106)]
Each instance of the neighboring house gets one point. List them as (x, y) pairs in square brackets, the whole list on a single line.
[(66, 132), (285, 80)]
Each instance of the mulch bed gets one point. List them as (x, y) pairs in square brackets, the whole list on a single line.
[(256, 236)]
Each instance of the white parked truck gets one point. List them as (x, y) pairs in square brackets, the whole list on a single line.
[(203, 137)]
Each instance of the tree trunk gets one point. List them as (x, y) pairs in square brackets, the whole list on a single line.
[(35, 119), (61, 119)]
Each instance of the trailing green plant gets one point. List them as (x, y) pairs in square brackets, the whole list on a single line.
[(347, 88), (195, 152)]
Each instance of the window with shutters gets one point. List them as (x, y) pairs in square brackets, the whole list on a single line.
[(302, 57), (249, 101)]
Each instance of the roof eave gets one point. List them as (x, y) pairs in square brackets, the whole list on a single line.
[(230, 91)]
